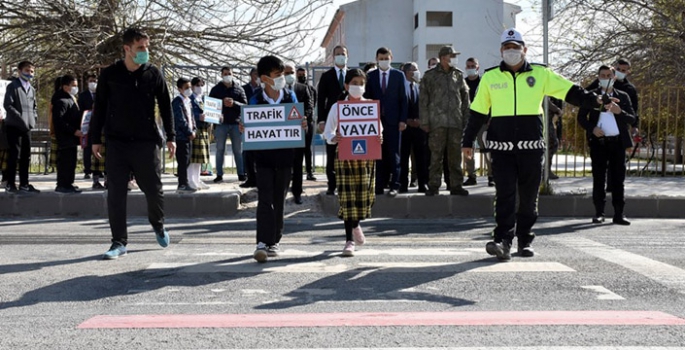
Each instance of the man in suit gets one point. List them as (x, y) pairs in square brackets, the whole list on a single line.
[(413, 138), (85, 103), (607, 129), (331, 86), (303, 95), (387, 85), (302, 79)]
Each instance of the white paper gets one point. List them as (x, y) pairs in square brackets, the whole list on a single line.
[(607, 122)]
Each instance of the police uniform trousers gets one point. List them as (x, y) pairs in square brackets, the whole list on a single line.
[(445, 142), (516, 172), (142, 158), (608, 153), (388, 168)]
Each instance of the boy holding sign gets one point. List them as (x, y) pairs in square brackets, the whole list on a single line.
[(354, 174), (274, 166)]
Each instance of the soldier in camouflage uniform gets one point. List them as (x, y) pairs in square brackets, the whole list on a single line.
[(443, 106)]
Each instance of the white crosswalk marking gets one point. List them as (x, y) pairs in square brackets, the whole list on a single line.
[(603, 293)]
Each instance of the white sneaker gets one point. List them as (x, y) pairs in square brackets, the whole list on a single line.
[(260, 254), (203, 185), (349, 249), (358, 235)]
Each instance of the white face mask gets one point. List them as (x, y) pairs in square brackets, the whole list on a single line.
[(290, 79), (417, 76), (74, 90), (432, 66), (454, 61), (384, 65), (512, 57), (92, 86), (606, 83), (279, 83), (187, 92), (620, 75), (356, 91), (340, 60), (197, 90), (228, 79), (471, 72)]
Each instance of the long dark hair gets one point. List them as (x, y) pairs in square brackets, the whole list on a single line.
[(351, 74)]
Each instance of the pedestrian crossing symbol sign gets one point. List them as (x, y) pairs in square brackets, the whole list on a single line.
[(294, 114), (359, 147)]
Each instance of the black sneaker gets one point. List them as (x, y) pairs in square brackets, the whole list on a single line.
[(501, 250), (431, 193), (311, 177), (297, 199), (67, 190), (272, 251), (598, 219), (459, 192), (471, 181), (330, 192), (11, 189), (29, 188), (184, 188), (86, 177), (620, 220), (218, 179), (98, 186), (242, 178), (248, 184), (525, 250), (491, 181)]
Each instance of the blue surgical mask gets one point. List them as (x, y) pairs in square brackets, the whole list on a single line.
[(27, 77), (141, 57)]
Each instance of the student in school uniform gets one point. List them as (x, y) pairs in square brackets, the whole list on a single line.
[(200, 144), (185, 132), (355, 178)]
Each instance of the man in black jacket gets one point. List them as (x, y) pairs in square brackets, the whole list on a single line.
[(302, 79), (608, 137), (126, 98), (66, 118), (331, 86), (303, 95), (20, 104)]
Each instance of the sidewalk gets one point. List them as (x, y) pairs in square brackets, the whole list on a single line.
[(645, 197)]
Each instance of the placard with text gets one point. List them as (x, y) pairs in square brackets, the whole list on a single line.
[(272, 126), (359, 125), (213, 109)]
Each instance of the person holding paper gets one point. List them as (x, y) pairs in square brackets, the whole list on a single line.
[(355, 178), (608, 136)]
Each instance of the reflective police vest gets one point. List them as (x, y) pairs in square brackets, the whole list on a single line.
[(515, 103)]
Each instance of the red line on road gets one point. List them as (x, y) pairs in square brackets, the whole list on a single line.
[(364, 319)]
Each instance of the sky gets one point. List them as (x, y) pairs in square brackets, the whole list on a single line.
[(527, 22)]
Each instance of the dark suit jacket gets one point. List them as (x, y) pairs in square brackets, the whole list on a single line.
[(304, 95), (395, 100), (588, 118), (413, 108), (329, 92), (85, 101)]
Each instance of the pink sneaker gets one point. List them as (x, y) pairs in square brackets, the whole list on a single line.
[(349, 249), (358, 235)]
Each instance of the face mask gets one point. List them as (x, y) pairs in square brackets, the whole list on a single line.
[(384, 65), (279, 83), (74, 90), (340, 60), (356, 91), (620, 75), (471, 72), (259, 81), (512, 57), (290, 79), (454, 61), (92, 86), (141, 57), (227, 79), (187, 92), (606, 83), (432, 66), (417, 76), (302, 80), (27, 76), (197, 90)]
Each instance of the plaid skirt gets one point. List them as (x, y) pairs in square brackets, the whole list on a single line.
[(53, 152), (356, 188), (98, 165), (199, 149)]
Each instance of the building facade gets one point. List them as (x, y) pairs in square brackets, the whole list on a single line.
[(415, 30)]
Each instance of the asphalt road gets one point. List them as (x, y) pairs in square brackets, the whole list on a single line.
[(415, 284)]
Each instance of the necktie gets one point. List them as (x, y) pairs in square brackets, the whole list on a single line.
[(412, 98), (384, 85), (341, 81)]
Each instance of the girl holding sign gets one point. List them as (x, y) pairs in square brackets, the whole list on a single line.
[(355, 178)]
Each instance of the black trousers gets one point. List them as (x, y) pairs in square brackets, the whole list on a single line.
[(516, 172), (296, 186), (183, 160), (87, 153), (66, 166), (250, 169), (142, 159), (414, 139), (272, 188), (388, 168), (19, 150), (308, 147), (608, 155), (331, 155)]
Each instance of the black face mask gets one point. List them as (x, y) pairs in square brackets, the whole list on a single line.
[(302, 80)]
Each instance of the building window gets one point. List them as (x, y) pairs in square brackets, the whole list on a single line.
[(439, 18), (416, 21), (433, 50)]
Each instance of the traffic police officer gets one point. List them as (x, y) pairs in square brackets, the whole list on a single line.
[(513, 92)]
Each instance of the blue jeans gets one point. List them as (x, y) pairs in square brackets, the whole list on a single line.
[(221, 133)]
